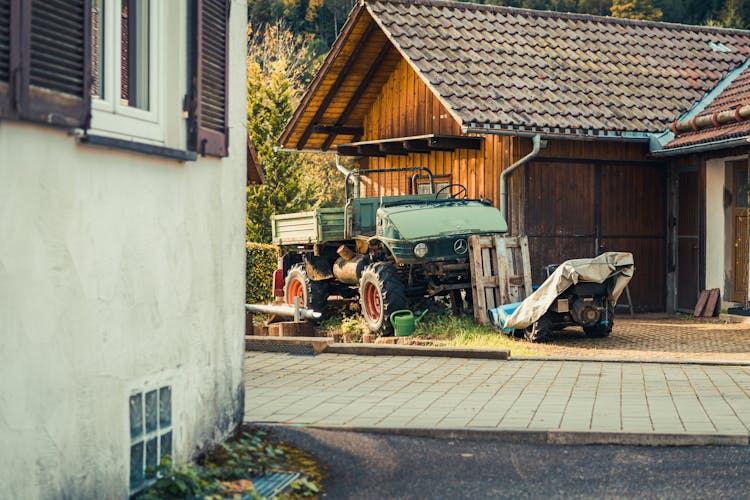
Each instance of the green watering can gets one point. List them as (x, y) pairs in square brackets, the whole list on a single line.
[(405, 322)]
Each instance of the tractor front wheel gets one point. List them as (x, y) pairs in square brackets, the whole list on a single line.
[(312, 294), (381, 292)]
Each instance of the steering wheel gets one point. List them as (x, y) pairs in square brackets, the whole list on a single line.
[(461, 194)]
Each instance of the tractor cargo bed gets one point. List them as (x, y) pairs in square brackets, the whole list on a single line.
[(302, 228)]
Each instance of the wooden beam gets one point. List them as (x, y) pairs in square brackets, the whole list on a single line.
[(358, 94), (417, 146), (455, 142), (336, 85), (393, 148), (338, 129), (345, 150), (370, 150)]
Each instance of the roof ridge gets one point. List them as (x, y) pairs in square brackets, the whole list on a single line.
[(563, 15)]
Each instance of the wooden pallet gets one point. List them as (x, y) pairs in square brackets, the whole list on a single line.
[(500, 272)]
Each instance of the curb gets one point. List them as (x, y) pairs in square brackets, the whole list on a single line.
[(414, 350), (632, 360), (553, 437)]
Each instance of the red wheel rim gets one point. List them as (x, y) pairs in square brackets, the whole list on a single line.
[(295, 289), (372, 301)]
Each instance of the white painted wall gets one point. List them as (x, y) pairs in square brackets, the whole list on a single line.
[(716, 228), (117, 271)]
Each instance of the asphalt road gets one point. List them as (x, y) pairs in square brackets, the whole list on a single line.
[(376, 466)]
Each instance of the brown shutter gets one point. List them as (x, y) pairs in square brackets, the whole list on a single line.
[(210, 79), (6, 108), (57, 62)]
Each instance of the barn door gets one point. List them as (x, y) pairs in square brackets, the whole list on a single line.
[(740, 220), (577, 209), (688, 240)]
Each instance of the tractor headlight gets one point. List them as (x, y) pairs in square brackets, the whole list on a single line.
[(420, 250)]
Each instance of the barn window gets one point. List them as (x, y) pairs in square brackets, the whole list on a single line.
[(441, 181), (125, 40), (44, 61)]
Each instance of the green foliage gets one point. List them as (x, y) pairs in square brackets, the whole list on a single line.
[(227, 471), (260, 264), (636, 9), (279, 67), (353, 328)]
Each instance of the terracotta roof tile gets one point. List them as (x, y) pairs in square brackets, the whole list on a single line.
[(736, 94), (564, 70)]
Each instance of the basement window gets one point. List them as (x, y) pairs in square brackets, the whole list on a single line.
[(150, 434)]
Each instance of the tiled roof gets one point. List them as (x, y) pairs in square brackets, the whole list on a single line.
[(733, 97), (517, 68)]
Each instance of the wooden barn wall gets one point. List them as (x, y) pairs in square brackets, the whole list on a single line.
[(406, 107), (584, 198), (577, 199)]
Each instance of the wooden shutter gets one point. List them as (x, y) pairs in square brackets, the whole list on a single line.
[(210, 80), (6, 108), (55, 50)]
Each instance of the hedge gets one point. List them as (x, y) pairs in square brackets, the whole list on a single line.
[(261, 263)]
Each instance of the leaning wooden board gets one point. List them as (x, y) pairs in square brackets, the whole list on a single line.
[(500, 272)]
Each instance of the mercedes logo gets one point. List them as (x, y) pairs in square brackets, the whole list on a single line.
[(460, 246)]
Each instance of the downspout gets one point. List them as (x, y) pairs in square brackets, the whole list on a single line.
[(341, 168), (536, 141)]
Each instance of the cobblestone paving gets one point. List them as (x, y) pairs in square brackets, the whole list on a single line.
[(657, 337), (346, 390)]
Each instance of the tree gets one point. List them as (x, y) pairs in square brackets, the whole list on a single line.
[(636, 9), (730, 16), (279, 68)]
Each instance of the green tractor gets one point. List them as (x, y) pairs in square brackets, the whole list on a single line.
[(390, 251)]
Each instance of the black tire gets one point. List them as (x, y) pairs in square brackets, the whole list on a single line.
[(381, 292), (313, 294), (600, 331), (539, 331)]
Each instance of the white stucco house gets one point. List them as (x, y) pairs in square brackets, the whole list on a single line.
[(122, 224)]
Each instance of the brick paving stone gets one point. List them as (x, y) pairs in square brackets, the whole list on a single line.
[(342, 390)]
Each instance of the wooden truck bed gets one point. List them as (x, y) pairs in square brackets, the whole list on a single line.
[(320, 226)]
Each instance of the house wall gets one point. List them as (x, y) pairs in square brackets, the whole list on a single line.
[(119, 272), (717, 271)]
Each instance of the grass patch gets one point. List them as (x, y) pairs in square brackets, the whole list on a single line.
[(464, 332)]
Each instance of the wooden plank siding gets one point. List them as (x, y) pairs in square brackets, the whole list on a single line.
[(406, 107), (576, 199)]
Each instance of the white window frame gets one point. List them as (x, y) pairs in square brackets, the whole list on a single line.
[(108, 115)]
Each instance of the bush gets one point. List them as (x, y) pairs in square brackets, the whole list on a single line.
[(259, 268)]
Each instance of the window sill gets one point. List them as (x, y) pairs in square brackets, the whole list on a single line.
[(138, 147)]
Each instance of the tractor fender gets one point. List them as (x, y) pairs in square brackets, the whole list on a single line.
[(318, 268)]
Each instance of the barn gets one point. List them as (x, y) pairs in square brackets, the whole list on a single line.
[(565, 121)]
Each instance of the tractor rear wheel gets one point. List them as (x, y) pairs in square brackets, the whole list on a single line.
[(381, 293), (312, 294)]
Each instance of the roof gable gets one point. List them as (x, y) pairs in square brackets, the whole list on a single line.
[(522, 69)]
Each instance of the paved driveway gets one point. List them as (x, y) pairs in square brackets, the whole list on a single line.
[(443, 393), (656, 337)]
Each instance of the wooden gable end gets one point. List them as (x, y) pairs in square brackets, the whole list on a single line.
[(406, 107)]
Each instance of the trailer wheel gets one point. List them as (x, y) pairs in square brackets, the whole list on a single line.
[(539, 331), (601, 330), (381, 292), (312, 294)]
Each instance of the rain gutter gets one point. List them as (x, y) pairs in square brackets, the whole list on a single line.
[(536, 142), (707, 146)]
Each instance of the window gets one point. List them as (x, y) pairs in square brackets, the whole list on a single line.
[(125, 43), (441, 181), (44, 61), (150, 433)]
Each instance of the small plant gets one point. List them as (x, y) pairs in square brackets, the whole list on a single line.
[(228, 470), (305, 488), (353, 328)]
